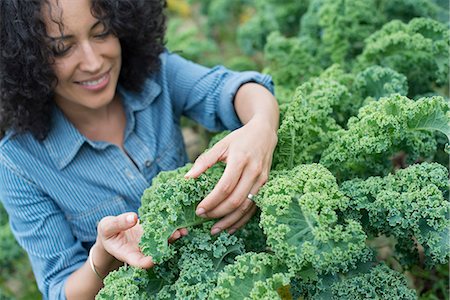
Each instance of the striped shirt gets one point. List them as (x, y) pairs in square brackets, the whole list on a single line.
[(57, 190)]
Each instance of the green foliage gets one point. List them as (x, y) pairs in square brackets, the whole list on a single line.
[(189, 41), (359, 94), (300, 212), (252, 276), (290, 62), (201, 258), (384, 128), (368, 281), (309, 124), (344, 26), (412, 203), (253, 236), (169, 204), (270, 16), (130, 283), (191, 275), (10, 251), (380, 282), (376, 82), (16, 279), (418, 50), (406, 10)]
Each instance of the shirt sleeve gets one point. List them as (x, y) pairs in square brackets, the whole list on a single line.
[(42, 230), (207, 95)]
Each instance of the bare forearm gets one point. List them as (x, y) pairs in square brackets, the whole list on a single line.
[(254, 100), (84, 283)]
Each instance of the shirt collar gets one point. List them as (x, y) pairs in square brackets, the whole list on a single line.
[(64, 141), (140, 100)]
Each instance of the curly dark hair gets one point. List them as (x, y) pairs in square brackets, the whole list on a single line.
[(26, 76)]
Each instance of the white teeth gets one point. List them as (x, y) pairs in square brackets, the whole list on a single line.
[(95, 82)]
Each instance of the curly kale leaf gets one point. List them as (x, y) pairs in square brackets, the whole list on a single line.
[(269, 16), (411, 203), (309, 124), (340, 28), (365, 282), (201, 258), (290, 62), (169, 204), (377, 82), (300, 212), (406, 10), (380, 282), (419, 50), (384, 128), (252, 235), (131, 283), (345, 25), (252, 276)]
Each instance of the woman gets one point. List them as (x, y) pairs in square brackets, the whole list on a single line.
[(90, 106)]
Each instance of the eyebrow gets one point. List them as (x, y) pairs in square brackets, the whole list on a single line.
[(70, 36)]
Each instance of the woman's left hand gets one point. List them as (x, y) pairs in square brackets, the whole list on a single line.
[(247, 153)]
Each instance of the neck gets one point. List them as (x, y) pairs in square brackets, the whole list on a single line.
[(103, 124)]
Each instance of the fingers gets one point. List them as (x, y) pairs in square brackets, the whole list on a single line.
[(178, 234), (137, 259), (183, 231), (236, 219), (250, 180), (110, 226), (206, 160), (238, 216), (175, 236), (232, 229), (225, 187)]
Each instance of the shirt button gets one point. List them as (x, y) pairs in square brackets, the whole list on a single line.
[(148, 163)]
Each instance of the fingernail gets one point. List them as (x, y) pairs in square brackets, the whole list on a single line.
[(200, 212), (215, 230), (130, 219), (232, 230), (188, 174)]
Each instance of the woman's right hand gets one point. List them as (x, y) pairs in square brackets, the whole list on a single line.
[(119, 236)]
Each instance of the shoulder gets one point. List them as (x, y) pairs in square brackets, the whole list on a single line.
[(17, 151)]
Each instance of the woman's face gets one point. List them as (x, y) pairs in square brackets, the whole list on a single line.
[(87, 56)]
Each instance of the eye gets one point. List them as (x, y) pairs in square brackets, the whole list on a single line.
[(103, 34), (60, 49)]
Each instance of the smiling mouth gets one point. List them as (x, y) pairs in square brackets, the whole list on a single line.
[(93, 82)]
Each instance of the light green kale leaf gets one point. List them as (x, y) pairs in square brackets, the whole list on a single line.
[(418, 50), (170, 204), (384, 128), (252, 276), (300, 212), (412, 203)]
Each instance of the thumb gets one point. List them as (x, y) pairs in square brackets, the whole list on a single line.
[(110, 225), (206, 160)]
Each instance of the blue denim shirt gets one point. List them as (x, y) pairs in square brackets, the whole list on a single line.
[(58, 189)]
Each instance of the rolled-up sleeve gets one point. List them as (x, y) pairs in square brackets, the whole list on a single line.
[(207, 95), (42, 230)]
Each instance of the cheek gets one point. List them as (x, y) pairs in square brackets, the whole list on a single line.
[(114, 48), (62, 71)]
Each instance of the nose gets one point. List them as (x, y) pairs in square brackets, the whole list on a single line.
[(91, 58)]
